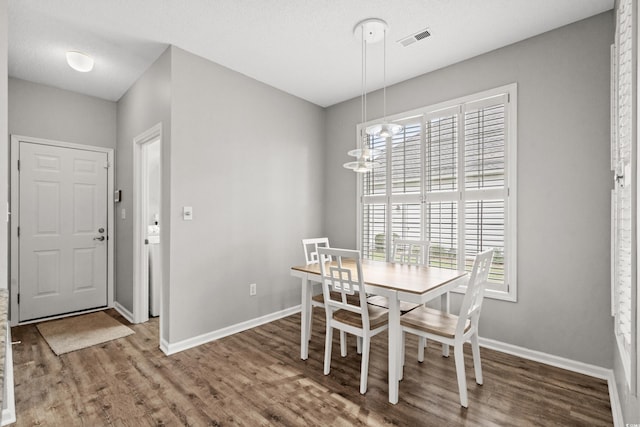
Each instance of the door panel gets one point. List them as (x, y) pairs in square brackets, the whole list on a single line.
[(63, 207)]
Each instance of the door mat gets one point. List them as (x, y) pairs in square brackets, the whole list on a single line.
[(78, 332)]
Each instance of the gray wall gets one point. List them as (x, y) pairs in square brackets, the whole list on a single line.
[(146, 103), (564, 182), (4, 140), (47, 112), (249, 159), (4, 165)]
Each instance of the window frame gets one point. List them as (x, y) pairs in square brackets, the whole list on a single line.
[(509, 291)]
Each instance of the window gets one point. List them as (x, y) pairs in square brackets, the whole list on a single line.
[(448, 177), (623, 205)]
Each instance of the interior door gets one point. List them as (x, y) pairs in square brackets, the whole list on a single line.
[(62, 230)]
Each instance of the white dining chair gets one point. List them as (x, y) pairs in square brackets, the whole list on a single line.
[(341, 281), (411, 252), (310, 247), (453, 330)]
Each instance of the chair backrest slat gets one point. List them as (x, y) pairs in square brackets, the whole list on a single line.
[(311, 246), (414, 252), (341, 273)]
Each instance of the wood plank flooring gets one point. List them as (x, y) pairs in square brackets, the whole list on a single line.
[(256, 378)]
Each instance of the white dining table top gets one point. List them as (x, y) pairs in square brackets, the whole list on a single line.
[(411, 279)]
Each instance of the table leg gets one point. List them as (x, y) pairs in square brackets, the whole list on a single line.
[(305, 318), (395, 337), (444, 306)]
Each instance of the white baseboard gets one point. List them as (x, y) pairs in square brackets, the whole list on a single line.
[(616, 407), (568, 364), (164, 346), (123, 311), (548, 359), (8, 417), (172, 348), (9, 413)]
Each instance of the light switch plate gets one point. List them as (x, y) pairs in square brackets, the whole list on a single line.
[(187, 213)]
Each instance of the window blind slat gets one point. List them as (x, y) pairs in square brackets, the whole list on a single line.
[(441, 154), (373, 231)]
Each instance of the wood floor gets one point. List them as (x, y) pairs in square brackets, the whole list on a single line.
[(256, 378)]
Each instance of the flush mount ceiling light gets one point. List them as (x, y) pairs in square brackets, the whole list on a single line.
[(79, 61)]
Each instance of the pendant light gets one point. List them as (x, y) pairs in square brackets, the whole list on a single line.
[(384, 129), (371, 31)]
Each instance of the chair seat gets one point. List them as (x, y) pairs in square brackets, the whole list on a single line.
[(433, 321), (352, 299), (377, 317), (380, 301)]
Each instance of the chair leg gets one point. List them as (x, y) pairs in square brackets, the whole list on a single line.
[(327, 348), (422, 343), (402, 357), (404, 337), (310, 323), (343, 343), (477, 365), (359, 345), (364, 367), (462, 379)]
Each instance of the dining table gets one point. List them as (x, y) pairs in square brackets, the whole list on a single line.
[(396, 281)]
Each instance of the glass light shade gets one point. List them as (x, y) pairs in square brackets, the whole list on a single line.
[(361, 166), (79, 61), (365, 153), (384, 130)]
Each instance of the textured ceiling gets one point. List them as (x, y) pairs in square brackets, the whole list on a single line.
[(303, 47)]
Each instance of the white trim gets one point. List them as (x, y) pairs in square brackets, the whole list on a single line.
[(616, 407), (172, 348), (61, 316), (547, 359), (8, 413), (140, 260), (434, 108), (15, 213), (123, 311), (563, 363), (164, 346)]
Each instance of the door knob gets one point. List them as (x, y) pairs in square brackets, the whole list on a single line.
[(100, 238)]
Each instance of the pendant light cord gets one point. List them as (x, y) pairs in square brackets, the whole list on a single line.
[(364, 76), (384, 76)]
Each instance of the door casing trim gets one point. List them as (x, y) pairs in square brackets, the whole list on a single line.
[(14, 212), (140, 257)]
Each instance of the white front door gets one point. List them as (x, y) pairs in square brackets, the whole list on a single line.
[(62, 230)]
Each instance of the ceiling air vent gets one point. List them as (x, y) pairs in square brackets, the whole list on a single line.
[(420, 35)]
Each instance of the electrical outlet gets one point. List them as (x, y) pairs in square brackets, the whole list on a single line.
[(252, 289)]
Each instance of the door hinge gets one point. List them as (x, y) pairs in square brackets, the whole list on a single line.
[(18, 298), (107, 165), (18, 165), (18, 231)]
